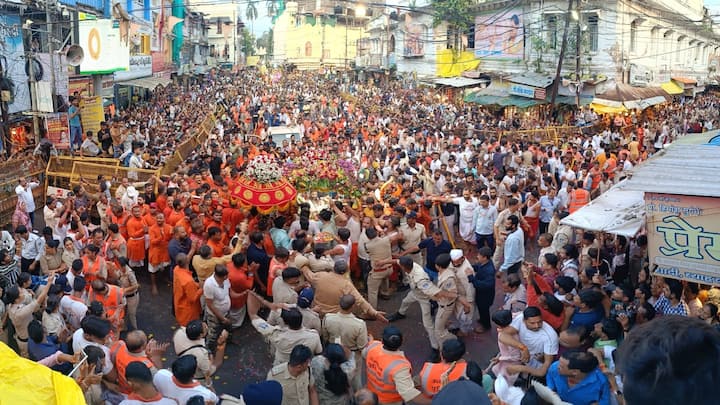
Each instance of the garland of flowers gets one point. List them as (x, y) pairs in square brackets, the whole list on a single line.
[(264, 169), (318, 170)]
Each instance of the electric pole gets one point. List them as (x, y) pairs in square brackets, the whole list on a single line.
[(556, 83)]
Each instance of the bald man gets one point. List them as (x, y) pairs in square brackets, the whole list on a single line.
[(136, 347)]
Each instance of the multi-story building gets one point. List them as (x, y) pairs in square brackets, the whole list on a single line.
[(322, 37), (646, 44)]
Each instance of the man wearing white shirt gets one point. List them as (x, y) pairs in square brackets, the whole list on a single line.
[(180, 384), (514, 248), (537, 340), (33, 247), (485, 217), (24, 193)]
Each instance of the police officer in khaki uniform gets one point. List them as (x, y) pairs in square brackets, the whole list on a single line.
[(282, 339), (380, 252), (298, 385), (350, 330), (447, 281), (421, 291), (413, 234)]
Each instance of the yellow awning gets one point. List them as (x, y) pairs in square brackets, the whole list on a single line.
[(672, 88), (604, 109)]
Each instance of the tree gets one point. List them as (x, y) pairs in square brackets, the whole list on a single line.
[(251, 12), (459, 16), (247, 41), (271, 7)]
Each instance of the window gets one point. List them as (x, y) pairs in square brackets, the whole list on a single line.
[(633, 36), (219, 27), (552, 32), (471, 37), (653, 41), (592, 32), (308, 49)]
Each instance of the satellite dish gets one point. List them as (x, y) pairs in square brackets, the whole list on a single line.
[(75, 55)]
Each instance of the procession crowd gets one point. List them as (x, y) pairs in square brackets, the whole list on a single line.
[(440, 213)]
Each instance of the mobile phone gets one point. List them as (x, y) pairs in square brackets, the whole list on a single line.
[(79, 364)]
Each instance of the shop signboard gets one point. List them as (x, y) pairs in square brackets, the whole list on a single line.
[(58, 132), (522, 90), (684, 237), (140, 66)]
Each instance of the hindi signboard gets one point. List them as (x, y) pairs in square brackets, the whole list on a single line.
[(684, 237), (92, 113)]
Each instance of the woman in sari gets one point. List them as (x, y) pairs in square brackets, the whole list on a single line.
[(20, 216)]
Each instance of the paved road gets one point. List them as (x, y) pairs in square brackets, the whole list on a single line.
[(248, 359)]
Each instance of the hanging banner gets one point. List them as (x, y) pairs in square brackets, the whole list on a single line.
[(57, 129), (12, 56), (92, 113), (684, 237), (500, 35)]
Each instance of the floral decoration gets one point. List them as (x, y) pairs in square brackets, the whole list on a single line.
[(264, 169)]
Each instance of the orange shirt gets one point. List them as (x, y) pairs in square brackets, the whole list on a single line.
[(239, 281), (218, 248), (175, 217), (159, 240), (186, 296), (136, 239)]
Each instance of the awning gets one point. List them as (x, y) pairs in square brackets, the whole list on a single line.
[(604, 109), (150, 82), (532, 79), (459, 82), (520, 102), (686, 81), (644, 103), (617, 211), (672, 88), (570, 100)]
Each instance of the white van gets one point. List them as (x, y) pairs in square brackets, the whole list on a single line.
[(282, 133)]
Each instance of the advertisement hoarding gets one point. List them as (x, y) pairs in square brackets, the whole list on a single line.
[(684, 237), (58, 131), (105, 50), (500, 35)]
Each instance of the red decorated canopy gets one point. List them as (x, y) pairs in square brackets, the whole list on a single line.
[(279, 195)]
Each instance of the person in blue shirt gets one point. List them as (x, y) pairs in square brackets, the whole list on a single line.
[(577, 379), (75, 124), (41, 346), (434, 246), (484, 281), (588, 308)]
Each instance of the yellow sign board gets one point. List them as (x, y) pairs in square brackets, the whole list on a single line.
[(92, 113)]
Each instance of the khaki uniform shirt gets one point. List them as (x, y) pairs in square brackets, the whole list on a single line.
[(329, 287), (283, 292), (310, 319), (447, 282), (296, 390), (379, 249), (351, 330), (49, 263), (420, 283), (284, 340), (181, 344), (21, 315), (413, 237)]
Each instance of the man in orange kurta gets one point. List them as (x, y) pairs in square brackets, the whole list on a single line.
[(158, 257), (136, 229), (186, 292)]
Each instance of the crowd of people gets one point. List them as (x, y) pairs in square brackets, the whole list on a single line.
[(441, 213)]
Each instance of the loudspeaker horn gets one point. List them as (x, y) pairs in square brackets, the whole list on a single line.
[(75, 55)]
